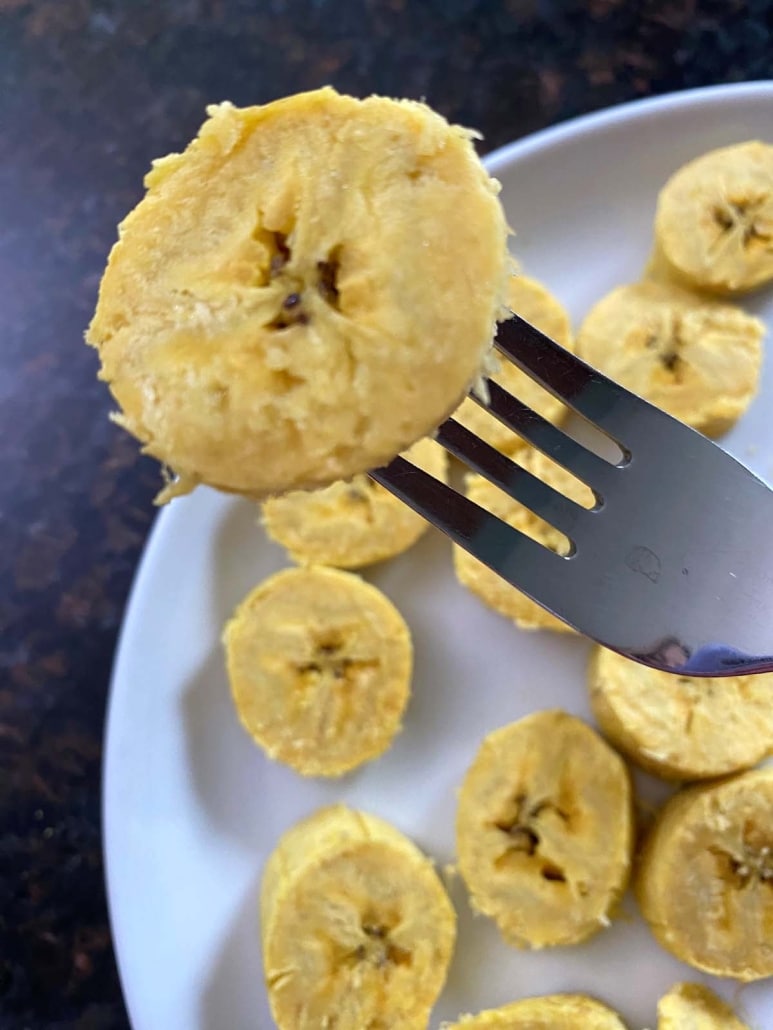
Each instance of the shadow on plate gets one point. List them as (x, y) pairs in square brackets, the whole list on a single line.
[(241, 556), (233, 996), (227, 770), (225, 766)]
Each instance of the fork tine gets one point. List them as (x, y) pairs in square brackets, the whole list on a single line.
[(522, 485), (588, 392), (552, 441), (521, 561)]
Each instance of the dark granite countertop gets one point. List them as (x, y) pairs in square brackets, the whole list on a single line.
[(89, 93)]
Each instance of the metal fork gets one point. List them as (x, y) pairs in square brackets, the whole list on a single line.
[(673, 566)]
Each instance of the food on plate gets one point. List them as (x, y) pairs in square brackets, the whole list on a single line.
[(681, 727), (357, 928), (544, 830), (714, 221), (697, 358), (534, 302), (658, 270), (689, 1006), (705, 882), (551, 1012), (479, 578), (351, 523), (304, 292), (320, 666)]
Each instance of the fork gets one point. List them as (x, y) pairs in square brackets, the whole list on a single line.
[(672, 566)]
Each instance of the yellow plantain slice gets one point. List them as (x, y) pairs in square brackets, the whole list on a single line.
[(320, 667), (705, 883), (680, 727), (544, 830), (551, 1012), (694, 357), (714, 221), (659, 270), (690, 1006), (357, 929), (487, 585), (534, 302), (307, 290), (351, 524)]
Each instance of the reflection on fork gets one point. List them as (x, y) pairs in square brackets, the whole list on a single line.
[(671, 566)]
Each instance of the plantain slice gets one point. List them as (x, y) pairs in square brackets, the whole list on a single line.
[(714, 221), (357, 929), (544, 830), (659, 270), (530, 299), (689, 1006), (680, 727), (479, 578), (304, 292), (694, 357), (320, 666), (351, 524), (705, 883), (550, 1012)]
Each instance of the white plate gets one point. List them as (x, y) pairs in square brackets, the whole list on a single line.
[(192, 808)]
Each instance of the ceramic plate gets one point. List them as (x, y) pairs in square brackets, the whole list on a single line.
[(191, 806)]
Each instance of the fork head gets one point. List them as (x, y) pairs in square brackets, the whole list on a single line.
[(672, 566)]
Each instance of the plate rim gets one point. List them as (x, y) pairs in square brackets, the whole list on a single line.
[(163, 523), (629, 109)]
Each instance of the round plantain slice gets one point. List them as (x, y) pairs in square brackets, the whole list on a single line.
[(304, 292), (689, 1006), (320, 667), (696, 358), (705, 883), (544, 830), (479, 578), (714, 221), (550, 1012), (357, 929), (531, 300), (351, 524), (680, 727)]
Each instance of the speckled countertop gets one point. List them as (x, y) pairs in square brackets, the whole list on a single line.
[(89, 93)]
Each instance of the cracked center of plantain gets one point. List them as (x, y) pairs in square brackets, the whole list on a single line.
[(331, 663), (667, 338), (745, 217), (751, 863), (376, 949), (277, 267), (520, 824)]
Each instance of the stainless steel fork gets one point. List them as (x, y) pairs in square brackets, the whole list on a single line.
[(673, 566)]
